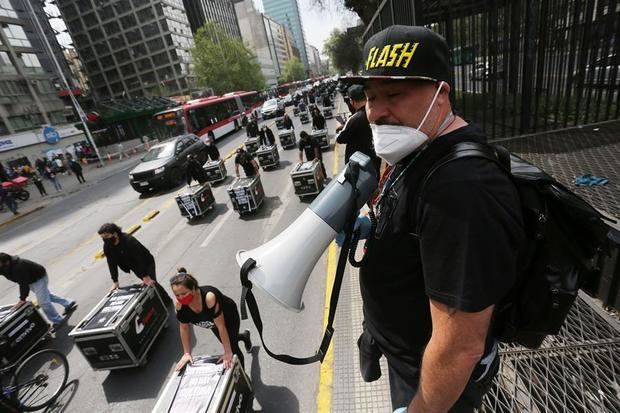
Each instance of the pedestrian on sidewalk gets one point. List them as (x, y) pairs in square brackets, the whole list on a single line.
[(121, 151), (39, 184), (127, 253), (7, 198), (53, 176), (440, 260), (40, 165), (32, 276), (77, 169), (206, 307)]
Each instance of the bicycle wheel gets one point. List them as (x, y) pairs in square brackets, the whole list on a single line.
[(40, 379)]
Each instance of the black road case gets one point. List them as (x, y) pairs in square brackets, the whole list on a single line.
[(205, 387), (20, 331), (268, 156), (287, 138), (251, 145), (280, 122), (121, 329), (246, 194), (216, 170), (328, 112), (322, 137), (195, 201), (304, 118), (295, 111), (307, 179)]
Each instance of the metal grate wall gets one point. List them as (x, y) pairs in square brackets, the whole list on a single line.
[(523, 66)]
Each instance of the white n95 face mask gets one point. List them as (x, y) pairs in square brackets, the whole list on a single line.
[(394, 142)]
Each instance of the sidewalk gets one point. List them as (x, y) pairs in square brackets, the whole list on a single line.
[(577, 371), (92, 173)]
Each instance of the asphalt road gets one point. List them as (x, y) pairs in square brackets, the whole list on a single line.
[(63, 238)]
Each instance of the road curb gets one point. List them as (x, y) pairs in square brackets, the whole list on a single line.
[(21, 215), (150, 216)]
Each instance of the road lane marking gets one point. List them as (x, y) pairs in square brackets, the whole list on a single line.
[(276, 215), (217, 228), (326, 374), (150, 215)]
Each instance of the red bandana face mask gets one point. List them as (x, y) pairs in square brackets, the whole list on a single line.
[(186, 300)]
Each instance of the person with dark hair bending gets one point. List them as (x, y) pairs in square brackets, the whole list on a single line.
[(205, 306), (127, 253)]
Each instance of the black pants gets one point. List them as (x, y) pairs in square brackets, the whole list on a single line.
[(404, 378), (79, 176), (40, 187), (233, 323), (160, 290)]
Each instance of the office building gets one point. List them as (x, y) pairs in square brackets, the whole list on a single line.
[(28, 96), (132, 47), (314, 58), (286, 12), (200, 12)]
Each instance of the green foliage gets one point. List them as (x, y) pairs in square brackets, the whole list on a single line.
[(344, 51), (294, 70), (223, 63), (365, 9)]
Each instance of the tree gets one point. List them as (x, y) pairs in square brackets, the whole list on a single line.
[(365, 9), (294, 70), (344, 51), (223, 63)]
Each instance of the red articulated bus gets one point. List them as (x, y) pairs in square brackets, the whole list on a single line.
[(214, 116)]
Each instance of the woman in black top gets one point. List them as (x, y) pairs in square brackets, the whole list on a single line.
[(207, 307)]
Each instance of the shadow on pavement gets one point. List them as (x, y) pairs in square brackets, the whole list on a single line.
[(271, 398), (211, 215), (270, 204), (145, 382), (61, 403)]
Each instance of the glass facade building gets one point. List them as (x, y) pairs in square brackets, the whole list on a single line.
[(200, 12), (286, 12)]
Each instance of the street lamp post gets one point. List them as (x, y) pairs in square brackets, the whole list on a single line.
[(74, 101)]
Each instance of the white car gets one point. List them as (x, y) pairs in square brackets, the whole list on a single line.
[(270, 108)]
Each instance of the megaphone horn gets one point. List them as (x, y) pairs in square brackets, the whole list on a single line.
[(284, 264)]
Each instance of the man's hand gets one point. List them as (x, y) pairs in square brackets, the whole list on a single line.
[(227, 360), (148, 280), (18, 304), (187, 358), (115, 286)]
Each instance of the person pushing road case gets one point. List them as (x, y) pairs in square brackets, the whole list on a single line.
[(246, 194), (216, 170), (287, 138), (307, 179), (268, 156), (21, 329), (194, 201), (120, 330), (280, 122), (206, 387)]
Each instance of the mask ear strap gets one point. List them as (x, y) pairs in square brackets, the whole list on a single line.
[(431, 105)]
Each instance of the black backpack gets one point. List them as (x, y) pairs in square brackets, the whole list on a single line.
[(565, 236)]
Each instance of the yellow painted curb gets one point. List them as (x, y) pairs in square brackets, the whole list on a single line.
[(99, 255), (150, 216), (133, 229), (21, 215)]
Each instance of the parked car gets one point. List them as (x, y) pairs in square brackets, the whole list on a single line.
[(288, 100), (165, 163)]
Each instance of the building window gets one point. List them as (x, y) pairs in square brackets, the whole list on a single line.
[(57, 117), (31, 61), (160, 59), (128, 70), (133, 36), (6, 9), (90, 19), (111, 28), (45, 86), (150, 30), (128, 21), (156, 45), (145, 15), (16, 35), (6, 66)]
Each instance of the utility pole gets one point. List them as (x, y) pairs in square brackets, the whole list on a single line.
[(74, 101)]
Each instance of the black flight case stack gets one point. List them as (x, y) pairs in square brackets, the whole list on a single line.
[(216, 170), (304, 118), (120, 330), (268, 156), (251, 145), (20, 331), (194, 201), (246, 194), (295, 110), (287, 138), (205, 387), (322, 137), (280, 122), (328, 112), (307, 179)]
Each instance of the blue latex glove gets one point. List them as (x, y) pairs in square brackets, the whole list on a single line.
[(401, 410), (362, 223)]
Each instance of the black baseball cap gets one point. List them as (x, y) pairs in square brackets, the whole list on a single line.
[(356, 92), (404, 52)]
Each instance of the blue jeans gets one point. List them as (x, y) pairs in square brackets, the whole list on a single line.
[(56, 183), (46, 298)]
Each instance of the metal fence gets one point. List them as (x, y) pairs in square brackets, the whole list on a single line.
[(523, 66)]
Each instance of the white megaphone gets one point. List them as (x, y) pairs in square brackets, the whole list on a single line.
[(284, 264)]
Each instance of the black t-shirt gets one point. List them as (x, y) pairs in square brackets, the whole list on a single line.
[(309, 145), (318, 121), (245, 160), (357, 135), (463, 252), (207, 315)]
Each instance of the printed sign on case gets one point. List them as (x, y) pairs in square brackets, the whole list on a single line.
[(51, 135)]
